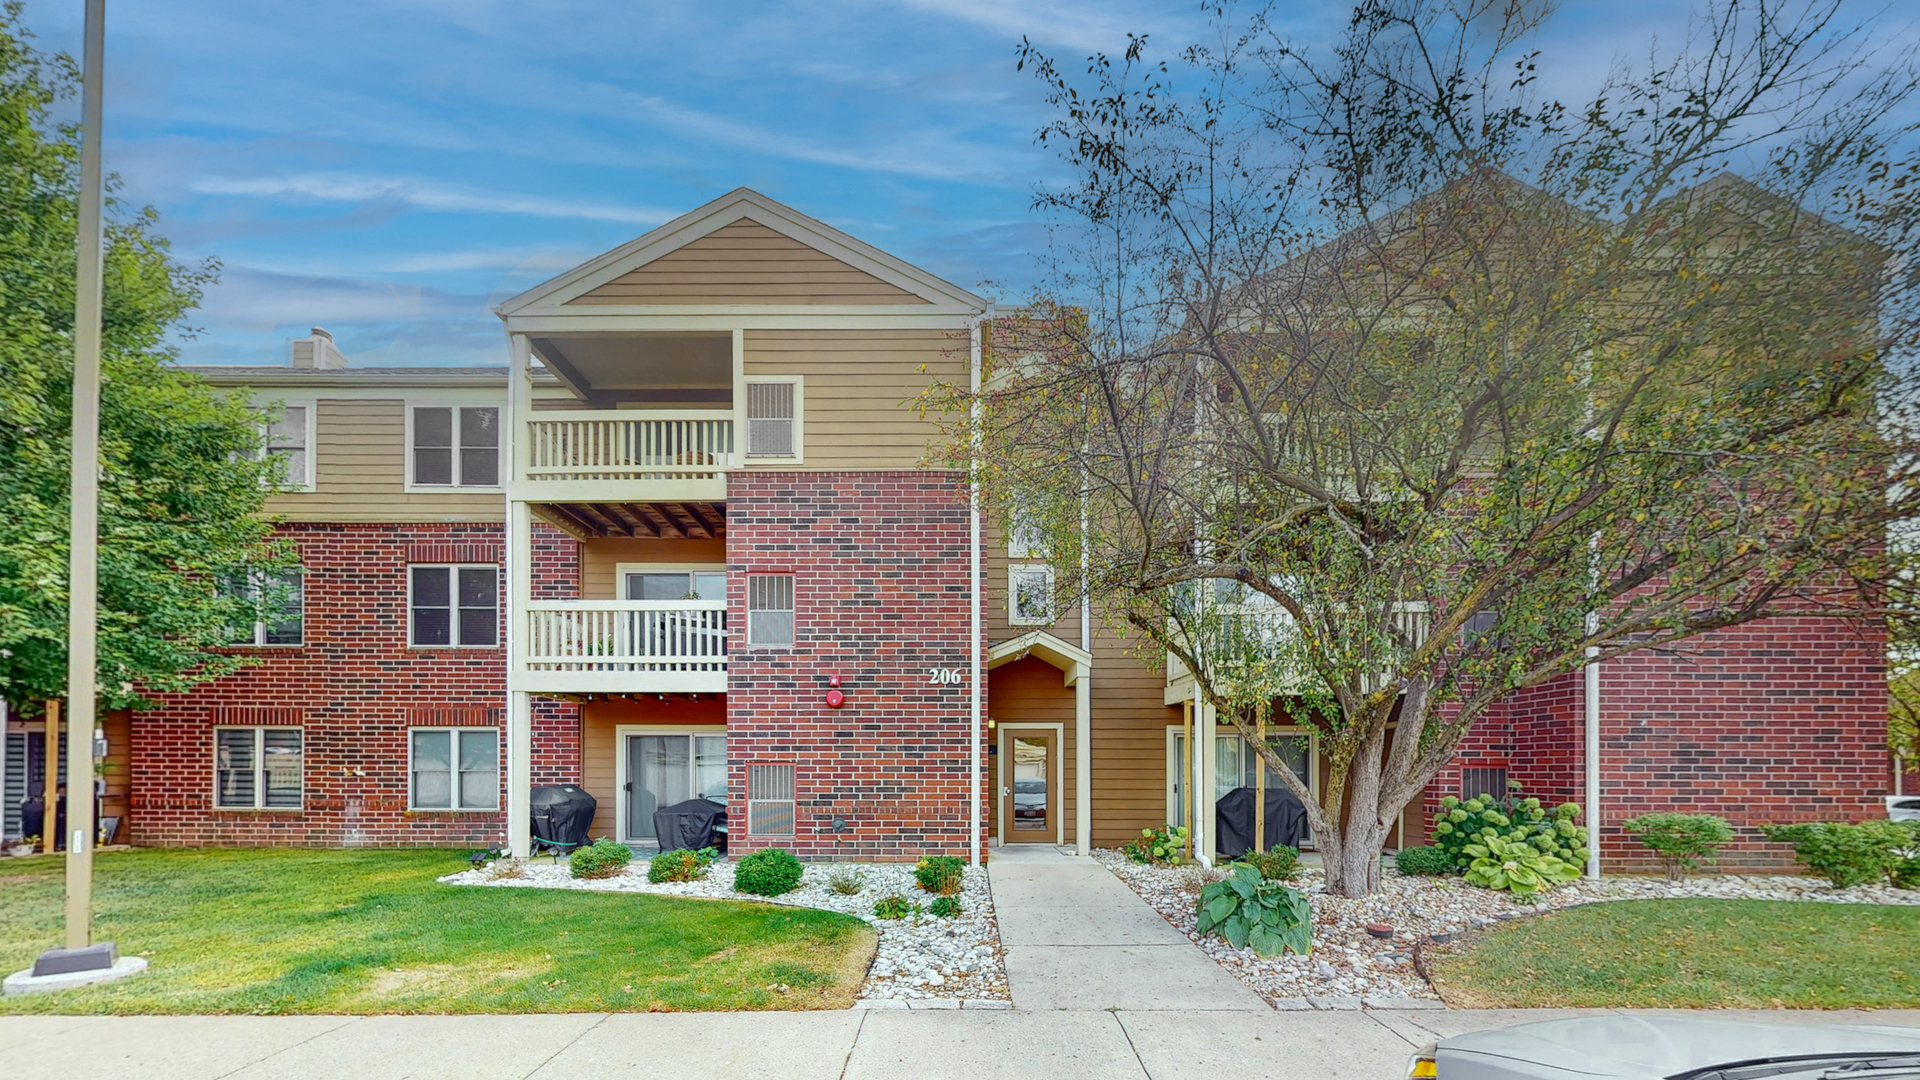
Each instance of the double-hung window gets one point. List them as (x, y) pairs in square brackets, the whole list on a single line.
[(257, 768), (277, 597), (286, 440), (454, 446), (457, 606), (454, 769), (1030, 594), (770, 609)]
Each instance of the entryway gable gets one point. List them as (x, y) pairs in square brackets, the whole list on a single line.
[(1074, 662), (742, 250)]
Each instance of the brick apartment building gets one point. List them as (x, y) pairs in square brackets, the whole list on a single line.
[(638, 559)]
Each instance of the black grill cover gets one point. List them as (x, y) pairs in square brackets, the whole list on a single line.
[(562, 814), (688, 825), (1233, 818)]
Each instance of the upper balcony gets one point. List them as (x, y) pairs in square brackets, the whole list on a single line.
[(628, 455)]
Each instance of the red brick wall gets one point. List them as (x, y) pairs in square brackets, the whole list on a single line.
[(354, 688), (880, 563), (1783, 720)]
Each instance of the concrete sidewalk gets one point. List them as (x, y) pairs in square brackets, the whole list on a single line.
[(855, 1045), (1076, 937)]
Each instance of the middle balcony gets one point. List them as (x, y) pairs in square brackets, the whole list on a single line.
[(624, 646)]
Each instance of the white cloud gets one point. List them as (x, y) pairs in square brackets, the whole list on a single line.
[(1095, 27), (421, 194), (251, 299)]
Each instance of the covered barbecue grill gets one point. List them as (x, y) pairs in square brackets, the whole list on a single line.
[(694, 824), (1286, 821), (562, 815)]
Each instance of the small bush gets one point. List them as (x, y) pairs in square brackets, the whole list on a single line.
[(1511, 817), (769, 872), (894, 907), (1414, 861), (601, 859), (847, 881), (940, 874), (506, 868), (1683, 841), (681, 865), (1157, 846), (1247, 909), (946, 907), (1280, 864), (1516, 866), (1869, 853)]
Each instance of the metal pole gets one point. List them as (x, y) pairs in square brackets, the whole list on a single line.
[(82, 578), (974, 719)]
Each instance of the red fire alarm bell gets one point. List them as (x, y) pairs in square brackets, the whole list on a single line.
[(835, 698)]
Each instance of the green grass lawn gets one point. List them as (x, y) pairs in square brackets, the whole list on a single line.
[(372, 932), (1691, 953)]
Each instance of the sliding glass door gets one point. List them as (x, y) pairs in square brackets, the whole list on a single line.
[(671, 768)]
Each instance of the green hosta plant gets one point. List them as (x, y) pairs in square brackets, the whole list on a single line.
[(1516, 866), (1248, 910), (1157, 846)]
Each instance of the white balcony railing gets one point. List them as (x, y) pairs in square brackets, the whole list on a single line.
[(678, 453), (641, 645)]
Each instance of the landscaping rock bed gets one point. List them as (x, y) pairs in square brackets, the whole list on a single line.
[(920, 958), (1349, 966)]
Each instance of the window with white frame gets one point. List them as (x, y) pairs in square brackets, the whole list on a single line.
[(278, 597), (770, 801), (1030, 594), (454, 769), (286, 439), (1025, 538), (257, 768), (773, 419), (455, 606), (770, 609), (454, 446)]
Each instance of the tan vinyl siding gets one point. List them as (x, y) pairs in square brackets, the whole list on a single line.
[(998, 612), (600, 560), (747, 263), (860, 390), (1129, 744), (360, 472)]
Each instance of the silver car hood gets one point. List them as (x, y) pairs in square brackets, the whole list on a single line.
[(1645, 1047)]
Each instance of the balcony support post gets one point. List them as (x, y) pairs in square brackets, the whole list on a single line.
[(519, 525)]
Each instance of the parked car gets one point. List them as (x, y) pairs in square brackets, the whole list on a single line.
[(1673, 1048), (1030, 799)]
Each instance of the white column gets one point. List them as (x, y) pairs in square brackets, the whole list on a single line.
[(974, 718), (519, 525), (1083, 764), (1200, 799)]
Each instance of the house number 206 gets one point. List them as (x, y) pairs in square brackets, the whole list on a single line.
[(945, 675)]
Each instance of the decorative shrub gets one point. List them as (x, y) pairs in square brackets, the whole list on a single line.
[(1511, 817), (847, 881), (681, 865), (768, 872), (1868, 853), (601, 859), (940, 874), (894, 907), (1247, 909), (946, 907), (1516, 866), (1683, 841), (1157, 846), (1423, 860), (1280, 864)]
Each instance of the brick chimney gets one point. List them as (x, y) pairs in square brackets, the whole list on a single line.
[(317, 351)]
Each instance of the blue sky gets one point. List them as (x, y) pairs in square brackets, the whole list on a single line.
[(388, 170)]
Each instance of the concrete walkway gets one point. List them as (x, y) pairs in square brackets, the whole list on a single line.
[(1077, 938), (855, 1045)]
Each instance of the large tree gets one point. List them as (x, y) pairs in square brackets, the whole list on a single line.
[(182, 480), (1388, 385)]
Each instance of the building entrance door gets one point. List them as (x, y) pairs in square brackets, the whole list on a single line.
[(1029, 803)]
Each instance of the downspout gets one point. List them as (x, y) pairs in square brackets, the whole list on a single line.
[(519, 555), (1592, 697), (975, 765)]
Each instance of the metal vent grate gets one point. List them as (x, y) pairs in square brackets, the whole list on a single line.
[(770, 804), (770, 419)]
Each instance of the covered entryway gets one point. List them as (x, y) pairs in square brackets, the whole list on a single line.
[(1034, 729)]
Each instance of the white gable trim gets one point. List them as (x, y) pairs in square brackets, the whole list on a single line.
[(737, 205)]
